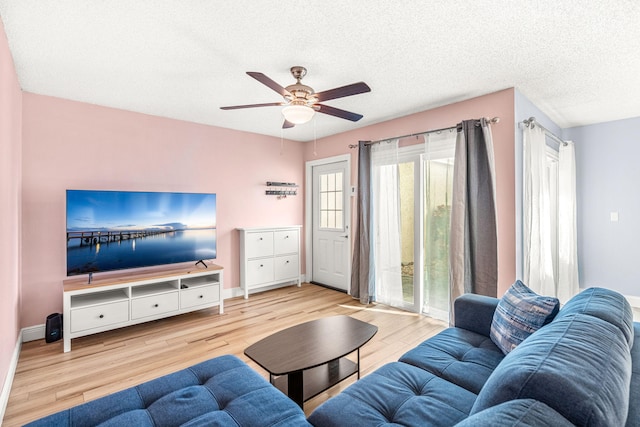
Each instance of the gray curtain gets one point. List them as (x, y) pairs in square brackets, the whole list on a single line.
[(362, 275), (474, 243)]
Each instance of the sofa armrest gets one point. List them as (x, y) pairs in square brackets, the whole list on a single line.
[(475, 313)]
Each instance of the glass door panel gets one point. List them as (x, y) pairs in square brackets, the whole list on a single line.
[(437, 213), (407, 195), (411, 214)]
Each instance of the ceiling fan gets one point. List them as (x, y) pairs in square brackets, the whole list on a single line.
[(301, 101)]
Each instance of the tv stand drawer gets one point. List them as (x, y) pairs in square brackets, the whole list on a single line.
[(99, 316), (199, 296), (154, 305)]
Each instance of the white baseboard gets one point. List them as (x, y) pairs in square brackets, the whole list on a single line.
[(238, 291), (635, 305), (8, 381), (232, 292), (33, 333), (634, 301)]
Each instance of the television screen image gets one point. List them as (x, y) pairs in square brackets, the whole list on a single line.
[(113, 230)]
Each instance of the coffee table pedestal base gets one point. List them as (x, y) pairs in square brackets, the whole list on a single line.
[(304, 385)]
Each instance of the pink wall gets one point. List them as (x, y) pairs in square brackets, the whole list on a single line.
[(68, 144), (499, 104), (73, 145), (10, 182)]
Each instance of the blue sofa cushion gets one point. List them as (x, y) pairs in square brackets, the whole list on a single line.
[(520, 313), (633, 419), (475, 313), (396, 394), (604, 304), (517, 413), (578, 365), (221, 391), (457, 355)]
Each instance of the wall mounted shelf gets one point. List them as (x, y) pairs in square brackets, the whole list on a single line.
[(283, 189)]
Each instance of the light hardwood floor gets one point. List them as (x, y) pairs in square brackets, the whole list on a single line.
[(48, 380)]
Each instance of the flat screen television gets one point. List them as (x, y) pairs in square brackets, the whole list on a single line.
[(113, 230)]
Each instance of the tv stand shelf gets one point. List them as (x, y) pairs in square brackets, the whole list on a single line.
[(125, 299), (97, 298)]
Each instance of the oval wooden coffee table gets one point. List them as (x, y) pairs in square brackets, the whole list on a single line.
[(307, 359)]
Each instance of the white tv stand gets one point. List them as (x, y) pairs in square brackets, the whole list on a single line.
[(130, 298)]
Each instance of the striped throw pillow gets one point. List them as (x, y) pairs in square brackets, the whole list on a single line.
[(520, 313)]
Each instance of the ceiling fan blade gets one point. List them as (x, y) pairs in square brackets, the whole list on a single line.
[(332, 111), (236, 107), (287, 125), (341, 92), (269, 83)]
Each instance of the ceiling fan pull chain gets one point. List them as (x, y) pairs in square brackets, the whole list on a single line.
[(315, 142), (281, 141)]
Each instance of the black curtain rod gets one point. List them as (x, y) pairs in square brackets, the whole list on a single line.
[(493, 120)]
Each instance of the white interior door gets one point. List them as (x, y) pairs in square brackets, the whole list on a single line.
[(330, 225)]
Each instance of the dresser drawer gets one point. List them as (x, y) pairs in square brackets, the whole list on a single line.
[(286, 242), (154, 305), (259, 271), (199, 296), (99, 316), (258, 244), (286, 267)]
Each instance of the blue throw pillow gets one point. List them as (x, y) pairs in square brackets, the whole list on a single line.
[(520, 313)]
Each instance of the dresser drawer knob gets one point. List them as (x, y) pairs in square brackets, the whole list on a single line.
[(155, 305), (101, 316), (201, 296)]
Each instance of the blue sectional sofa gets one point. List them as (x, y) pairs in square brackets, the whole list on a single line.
[(219, 392), (582, 368)]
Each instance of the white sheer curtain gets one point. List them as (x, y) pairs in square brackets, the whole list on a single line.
[(386, 222), (540, 218), (567, 225), (438, 157), (538, 261)]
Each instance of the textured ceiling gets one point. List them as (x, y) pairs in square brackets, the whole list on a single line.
[(577, 60)]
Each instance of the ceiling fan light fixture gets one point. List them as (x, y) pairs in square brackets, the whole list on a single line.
[(298, 114)]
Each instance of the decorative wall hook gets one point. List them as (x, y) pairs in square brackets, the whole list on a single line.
[(283, 190)]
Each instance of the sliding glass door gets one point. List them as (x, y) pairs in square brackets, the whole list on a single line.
[(438, 175), (412, 204)]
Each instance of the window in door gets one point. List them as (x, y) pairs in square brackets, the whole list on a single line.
[(331, 201)]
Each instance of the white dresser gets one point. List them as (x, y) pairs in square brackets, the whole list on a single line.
[(269, 256)]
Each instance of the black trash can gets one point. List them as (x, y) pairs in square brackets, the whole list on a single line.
[(53, 327)]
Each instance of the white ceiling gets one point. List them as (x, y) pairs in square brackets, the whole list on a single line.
[(577, 60)]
